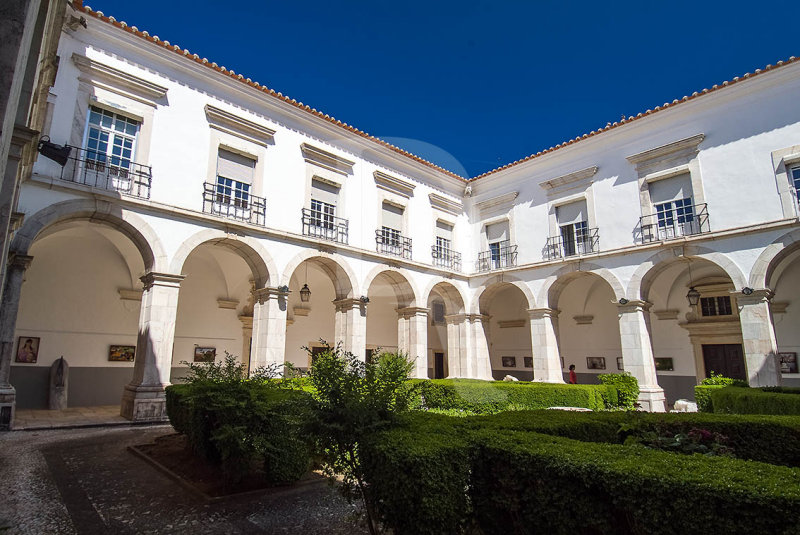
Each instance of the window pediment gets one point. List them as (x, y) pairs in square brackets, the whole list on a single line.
[(497, 203), (326, 160), (229, 123), (118, 81), (393, 184), (445, 205), (666, 156), (570, 181)]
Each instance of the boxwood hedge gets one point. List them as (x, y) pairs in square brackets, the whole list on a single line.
[(435, 474), (737, 400)]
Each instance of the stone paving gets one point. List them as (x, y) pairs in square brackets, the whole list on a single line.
[(85, 481), (27, 419)]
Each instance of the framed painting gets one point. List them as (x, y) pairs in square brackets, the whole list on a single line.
[(620, 365), (788, 362), (121, 353), (664, 365), (509, 362), (528, 362), (596, 363), (27, 349), (205, 354)]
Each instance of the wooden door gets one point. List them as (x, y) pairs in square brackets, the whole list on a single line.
[(727, 359), (438, 370)]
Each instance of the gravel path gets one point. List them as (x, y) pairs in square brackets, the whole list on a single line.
[(85, 481)]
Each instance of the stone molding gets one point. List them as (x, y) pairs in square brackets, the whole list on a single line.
[(585, 319), (762, 295), (262, 295), (568, 181), (393, 184), (161, 279), (778, 307), (634, 305), (227, 303), (669, 314), (445, 205), (410, 312), (510, 324), (115, 80), (678, 152), (130, 294), (540, 313), (495, 203), (229, 123), (348, 303), (19, 262), (326, 160)]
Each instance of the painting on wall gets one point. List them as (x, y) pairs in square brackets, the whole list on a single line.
[(620, 365), (664, 365), (205, 354), (528, 362), (509, 362), (27, 349), (788, 362), (596, 363), (121, 353)]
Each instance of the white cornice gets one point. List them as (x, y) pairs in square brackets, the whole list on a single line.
[(238, 126), (446, 205), (569, 178), (497, 202), (687, 146), (790, 159), (327, 160), (392, 184), (115, 79)]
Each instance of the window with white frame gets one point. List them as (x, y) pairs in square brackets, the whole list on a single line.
[(673, 207), (443, 250), (110, 142), (324, 197), (794, 174), (497, 237), (392, 224), (574, 228), (234, 179)]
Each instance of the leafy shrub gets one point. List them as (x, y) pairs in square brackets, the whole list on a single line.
[(352, 400), (488, 397), (780, 389), (702, 396), (697, 440), (507, 481), (738, 400), (627, 388), (717, 379)]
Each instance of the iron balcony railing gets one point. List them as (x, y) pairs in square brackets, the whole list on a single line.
[(446, 258), (502, 256), (391, 242), (220, 201), (584, 241), (99, 170), (324, 226), (675, 223)]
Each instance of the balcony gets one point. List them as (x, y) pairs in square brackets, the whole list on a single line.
[(390, 241), (324, 226), (99, 170), (500, 255), (245, 207), (580, 242), (675, 223), (445, 258)]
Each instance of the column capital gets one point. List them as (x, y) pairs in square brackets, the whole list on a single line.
[(539, 313), (410, 312), (19, 262), (454, 319), (634, 305), (262, 295), (348, 303), (753, 296), (161, 279)]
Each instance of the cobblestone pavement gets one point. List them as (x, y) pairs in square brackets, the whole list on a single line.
[(85, 481)]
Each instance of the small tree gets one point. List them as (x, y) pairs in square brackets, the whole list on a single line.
[(352, 400)]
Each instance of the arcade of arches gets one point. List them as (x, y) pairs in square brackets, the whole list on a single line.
[(89, 287)]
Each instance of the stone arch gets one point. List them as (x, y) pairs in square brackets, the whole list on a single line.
[(400, 281), (488, 289), (638, 286), (771, 257), (454, 301), (98, 211), (555, 283), (342, 276), (249, 249)]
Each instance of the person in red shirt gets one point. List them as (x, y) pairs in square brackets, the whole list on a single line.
[(573, 378)]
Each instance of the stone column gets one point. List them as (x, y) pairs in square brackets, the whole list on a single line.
[(478, 364), (350, 327), (144, 399), (269, 327), (247, 340), (758, 337), (412, 337), (544, 346), (456, 345), (637, 354), (9, 306)]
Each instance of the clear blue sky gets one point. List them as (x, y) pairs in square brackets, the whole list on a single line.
[(473, 85)]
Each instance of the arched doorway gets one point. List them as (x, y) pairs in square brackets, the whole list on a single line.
[(394, 322), (509, 331), (447, 333)]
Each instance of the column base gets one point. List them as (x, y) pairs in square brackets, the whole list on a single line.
[(652, 399), (144, 403), (8, 407)]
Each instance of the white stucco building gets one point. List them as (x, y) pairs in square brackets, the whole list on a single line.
[(196, 204)]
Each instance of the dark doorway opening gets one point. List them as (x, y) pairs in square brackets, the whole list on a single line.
[(438, 369), (727, 359)]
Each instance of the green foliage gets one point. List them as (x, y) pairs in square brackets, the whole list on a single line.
[(352, 400), (697, 440), (505, 480), (717, 379), (627, 388), (702, 396), (238, 421), (489, 397), (736, 400)]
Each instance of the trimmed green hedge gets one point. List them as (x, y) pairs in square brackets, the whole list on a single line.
[(236, 424), (488, 397), (738, 400), (435, 474), (627, 388), (702, 396)]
